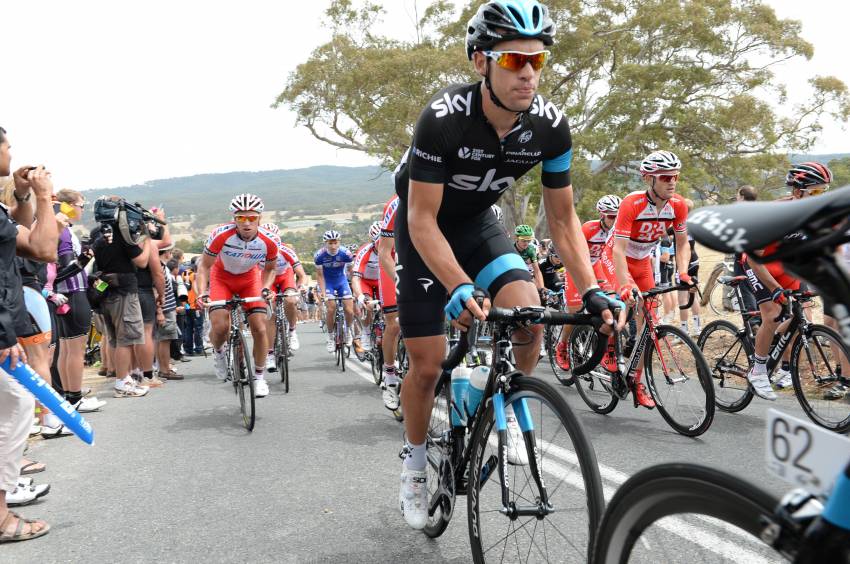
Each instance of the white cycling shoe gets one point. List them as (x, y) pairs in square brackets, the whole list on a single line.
[(261, 388), (517, 453), (330, 346), (413, 497), (293, 341), (760, 384), (270, 363), (782, 379), (220, 363), (390, 396)]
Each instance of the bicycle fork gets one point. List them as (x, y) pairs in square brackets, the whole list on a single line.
[(526, 425)]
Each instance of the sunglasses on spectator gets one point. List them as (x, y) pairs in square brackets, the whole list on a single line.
[(516, 60), (816, 191), (247, 218)]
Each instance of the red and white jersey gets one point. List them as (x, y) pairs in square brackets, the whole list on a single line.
[(286, 258), (597, 239), (236, 255), (366, 263), (642, 224), (388, 221)]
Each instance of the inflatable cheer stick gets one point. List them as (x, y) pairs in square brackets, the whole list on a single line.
[(48, 397)]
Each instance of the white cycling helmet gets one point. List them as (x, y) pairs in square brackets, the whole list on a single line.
[(608, 205), (246, 202), (497, 211), (330, 235), (374, 231), (660, 162), (271, 228)]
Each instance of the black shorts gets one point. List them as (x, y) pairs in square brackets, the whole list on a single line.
[(482, 249), (148, 304), (77, 321)]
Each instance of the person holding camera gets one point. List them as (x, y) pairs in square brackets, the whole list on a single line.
[(119, 253)]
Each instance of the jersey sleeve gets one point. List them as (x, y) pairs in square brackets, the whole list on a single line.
[(290, 255), (558, 160), (680, 209), (388, 221), (361, 260), (216, 240), (271, 249), (427, 160), (347, 256), (625, 219)]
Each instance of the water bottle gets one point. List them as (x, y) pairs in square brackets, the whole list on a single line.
[(460, 386), (477, 382)]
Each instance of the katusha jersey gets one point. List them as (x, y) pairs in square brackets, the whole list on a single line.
[(388, 217), (597, 238), (286, 258), (455, 145), (366, 263), (236, 255), (333, 266), (642, 224)]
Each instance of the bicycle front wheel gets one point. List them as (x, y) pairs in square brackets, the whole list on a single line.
[(816, 370), (679, 381), (283, 363), (565, 489), (639, 523), (243, 378), (728, 361), (440, 468)]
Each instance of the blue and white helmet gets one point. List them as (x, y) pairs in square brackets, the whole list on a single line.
[(331, 234), (503, 20)]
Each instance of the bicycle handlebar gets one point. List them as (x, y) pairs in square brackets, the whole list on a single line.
[(233, 301)]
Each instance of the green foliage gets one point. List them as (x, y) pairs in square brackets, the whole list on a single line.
[(193, 246), (693, 77)]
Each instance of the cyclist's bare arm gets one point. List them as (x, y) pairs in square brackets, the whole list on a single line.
[(202, 278), (269, 273), (424, 201), (320, 278), (355, 286), (386, 246), (620, 264), (682, 258), (538, 276), (565, 228), (300, 275)]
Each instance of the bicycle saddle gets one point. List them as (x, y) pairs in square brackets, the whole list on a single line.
[(747, 226)]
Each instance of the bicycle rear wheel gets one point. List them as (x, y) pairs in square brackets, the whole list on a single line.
[(340, 343), (815, 371), (243, 378), (440, 469), (679, 381), (639, 526), (376, 357), (557, 445), (552, 335), (727, 359), (594, 387), (283, 357)]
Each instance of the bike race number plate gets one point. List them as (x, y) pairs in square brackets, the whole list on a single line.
[(803, 454)]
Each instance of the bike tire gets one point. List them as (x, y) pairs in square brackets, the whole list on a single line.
[(703, 400), (377, 363), (829, 414), (553, 460), (552, 334), (596, 393), (283, 365), (243, 376), (732, 393), (440, 468), (671, 489)]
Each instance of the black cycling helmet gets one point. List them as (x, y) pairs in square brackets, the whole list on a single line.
[(503, 20)]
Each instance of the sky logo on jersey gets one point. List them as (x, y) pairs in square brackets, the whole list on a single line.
[(542, 108), (471, 182), (450, 104)]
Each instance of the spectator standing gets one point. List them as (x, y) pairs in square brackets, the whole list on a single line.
[(193, 340), (165, 329)]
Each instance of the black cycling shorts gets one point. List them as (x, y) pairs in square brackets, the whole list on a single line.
[(77, 322), (482, 249)]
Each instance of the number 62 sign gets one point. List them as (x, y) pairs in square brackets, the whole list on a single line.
[(804, 454)]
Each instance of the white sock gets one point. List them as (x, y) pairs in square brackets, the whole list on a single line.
[(390, 375), (259, 374), (416, 457)]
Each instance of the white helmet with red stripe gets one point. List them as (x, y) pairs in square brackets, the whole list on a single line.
[(374, 231), (246, 202)]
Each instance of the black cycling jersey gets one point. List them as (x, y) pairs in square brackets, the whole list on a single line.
[(456, 146), (553, 278)]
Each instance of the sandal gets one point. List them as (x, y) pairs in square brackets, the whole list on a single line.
[(32, 467), (19, 535)]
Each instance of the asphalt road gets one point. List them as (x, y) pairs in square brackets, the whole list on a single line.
[(174, 477)]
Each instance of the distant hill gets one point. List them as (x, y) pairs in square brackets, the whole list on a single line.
[(819, 158), (305, 191)]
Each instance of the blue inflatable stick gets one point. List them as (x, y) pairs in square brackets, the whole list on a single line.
[(48, 397)]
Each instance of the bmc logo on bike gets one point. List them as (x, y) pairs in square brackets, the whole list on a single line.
[(451, 104), (470, 183), (651, 231)]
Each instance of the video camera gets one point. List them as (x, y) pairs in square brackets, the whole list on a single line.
[(131, 219)]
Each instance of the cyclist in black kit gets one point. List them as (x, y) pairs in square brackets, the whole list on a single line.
[(552, 270), (471, 143)]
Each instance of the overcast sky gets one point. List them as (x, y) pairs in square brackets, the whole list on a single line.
[(112, 93)]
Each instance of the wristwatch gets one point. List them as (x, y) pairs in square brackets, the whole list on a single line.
[(24, 199)]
